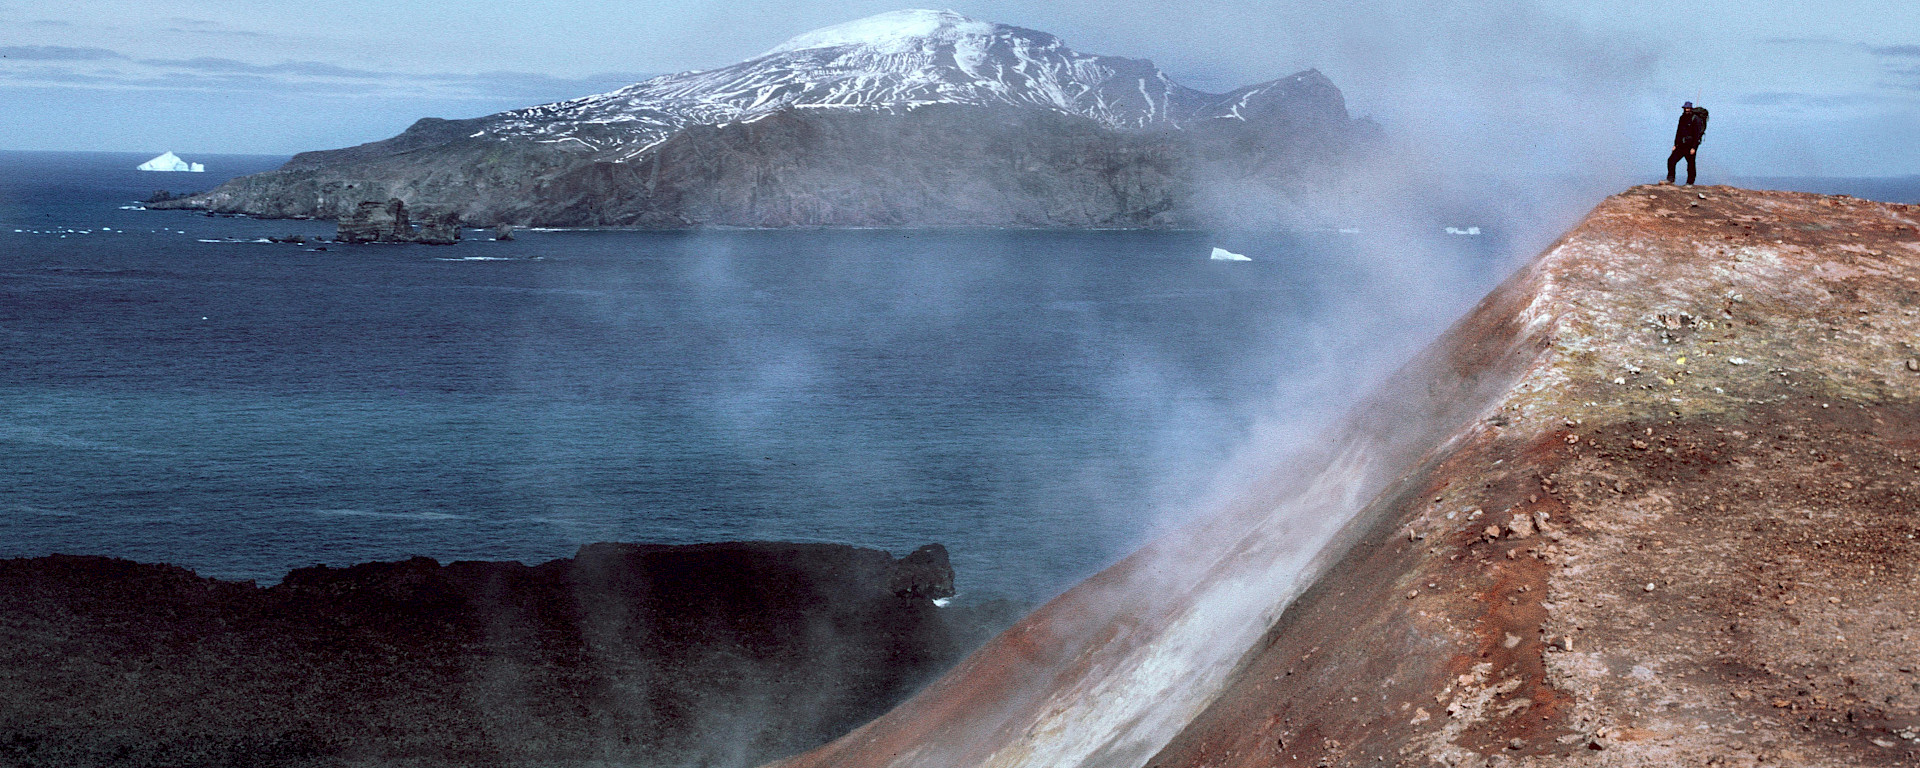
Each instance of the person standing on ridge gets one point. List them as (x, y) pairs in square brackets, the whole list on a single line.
[(1686, 139)]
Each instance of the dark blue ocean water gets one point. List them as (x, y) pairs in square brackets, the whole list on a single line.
[(1039, 402)]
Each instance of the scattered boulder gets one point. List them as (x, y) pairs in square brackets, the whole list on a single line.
[(503, 232)]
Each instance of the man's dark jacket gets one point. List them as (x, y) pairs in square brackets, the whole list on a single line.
[(1693, 125)]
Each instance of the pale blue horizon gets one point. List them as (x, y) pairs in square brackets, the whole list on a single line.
[(1796, 88)]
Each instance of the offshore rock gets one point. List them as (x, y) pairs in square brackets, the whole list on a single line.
[(1690, 402), (374, 222), (913, 118), (442, 229), (626, 654)]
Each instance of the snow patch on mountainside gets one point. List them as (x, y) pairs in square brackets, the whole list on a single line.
[(891, 63), (900, 30)]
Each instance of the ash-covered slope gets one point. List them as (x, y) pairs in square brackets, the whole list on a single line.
[(1651, 503), (909, 117)]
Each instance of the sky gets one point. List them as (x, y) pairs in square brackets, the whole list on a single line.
[(1795, 88)]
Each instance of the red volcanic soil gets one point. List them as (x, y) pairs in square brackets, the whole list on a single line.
[(1653, 502)]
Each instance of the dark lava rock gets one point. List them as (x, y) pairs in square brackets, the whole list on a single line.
[(710, 654), (924, 574)]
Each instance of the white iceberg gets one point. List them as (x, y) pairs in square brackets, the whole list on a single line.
[(1466, 231), (1222, 254), (169, 161)]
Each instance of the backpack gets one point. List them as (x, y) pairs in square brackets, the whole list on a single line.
[(1699, 120)]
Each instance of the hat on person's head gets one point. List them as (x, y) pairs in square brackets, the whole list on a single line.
[(1688, 105)]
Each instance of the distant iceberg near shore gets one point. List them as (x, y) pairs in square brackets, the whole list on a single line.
[(1222, 254), (169, 161)]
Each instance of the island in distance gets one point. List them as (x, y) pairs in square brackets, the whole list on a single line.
[(908, 118)]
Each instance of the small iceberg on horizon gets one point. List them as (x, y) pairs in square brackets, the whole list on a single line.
[(168, 161), (1222, 254), (1460, 231)]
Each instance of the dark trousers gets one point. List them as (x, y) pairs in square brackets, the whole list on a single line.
[(1680, 152)]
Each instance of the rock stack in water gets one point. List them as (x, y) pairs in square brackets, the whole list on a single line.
[(375, 222), (440, 229)]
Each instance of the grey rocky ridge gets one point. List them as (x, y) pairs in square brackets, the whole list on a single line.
[(908, 118)]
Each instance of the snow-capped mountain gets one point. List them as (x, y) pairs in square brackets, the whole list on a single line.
[(907, 118), (891, 62)]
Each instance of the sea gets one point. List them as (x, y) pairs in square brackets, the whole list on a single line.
[(178, 388)]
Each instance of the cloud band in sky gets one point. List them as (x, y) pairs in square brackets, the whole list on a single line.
[(91, 67)]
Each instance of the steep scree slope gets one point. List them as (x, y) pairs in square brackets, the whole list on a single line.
[(1651, 503)]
